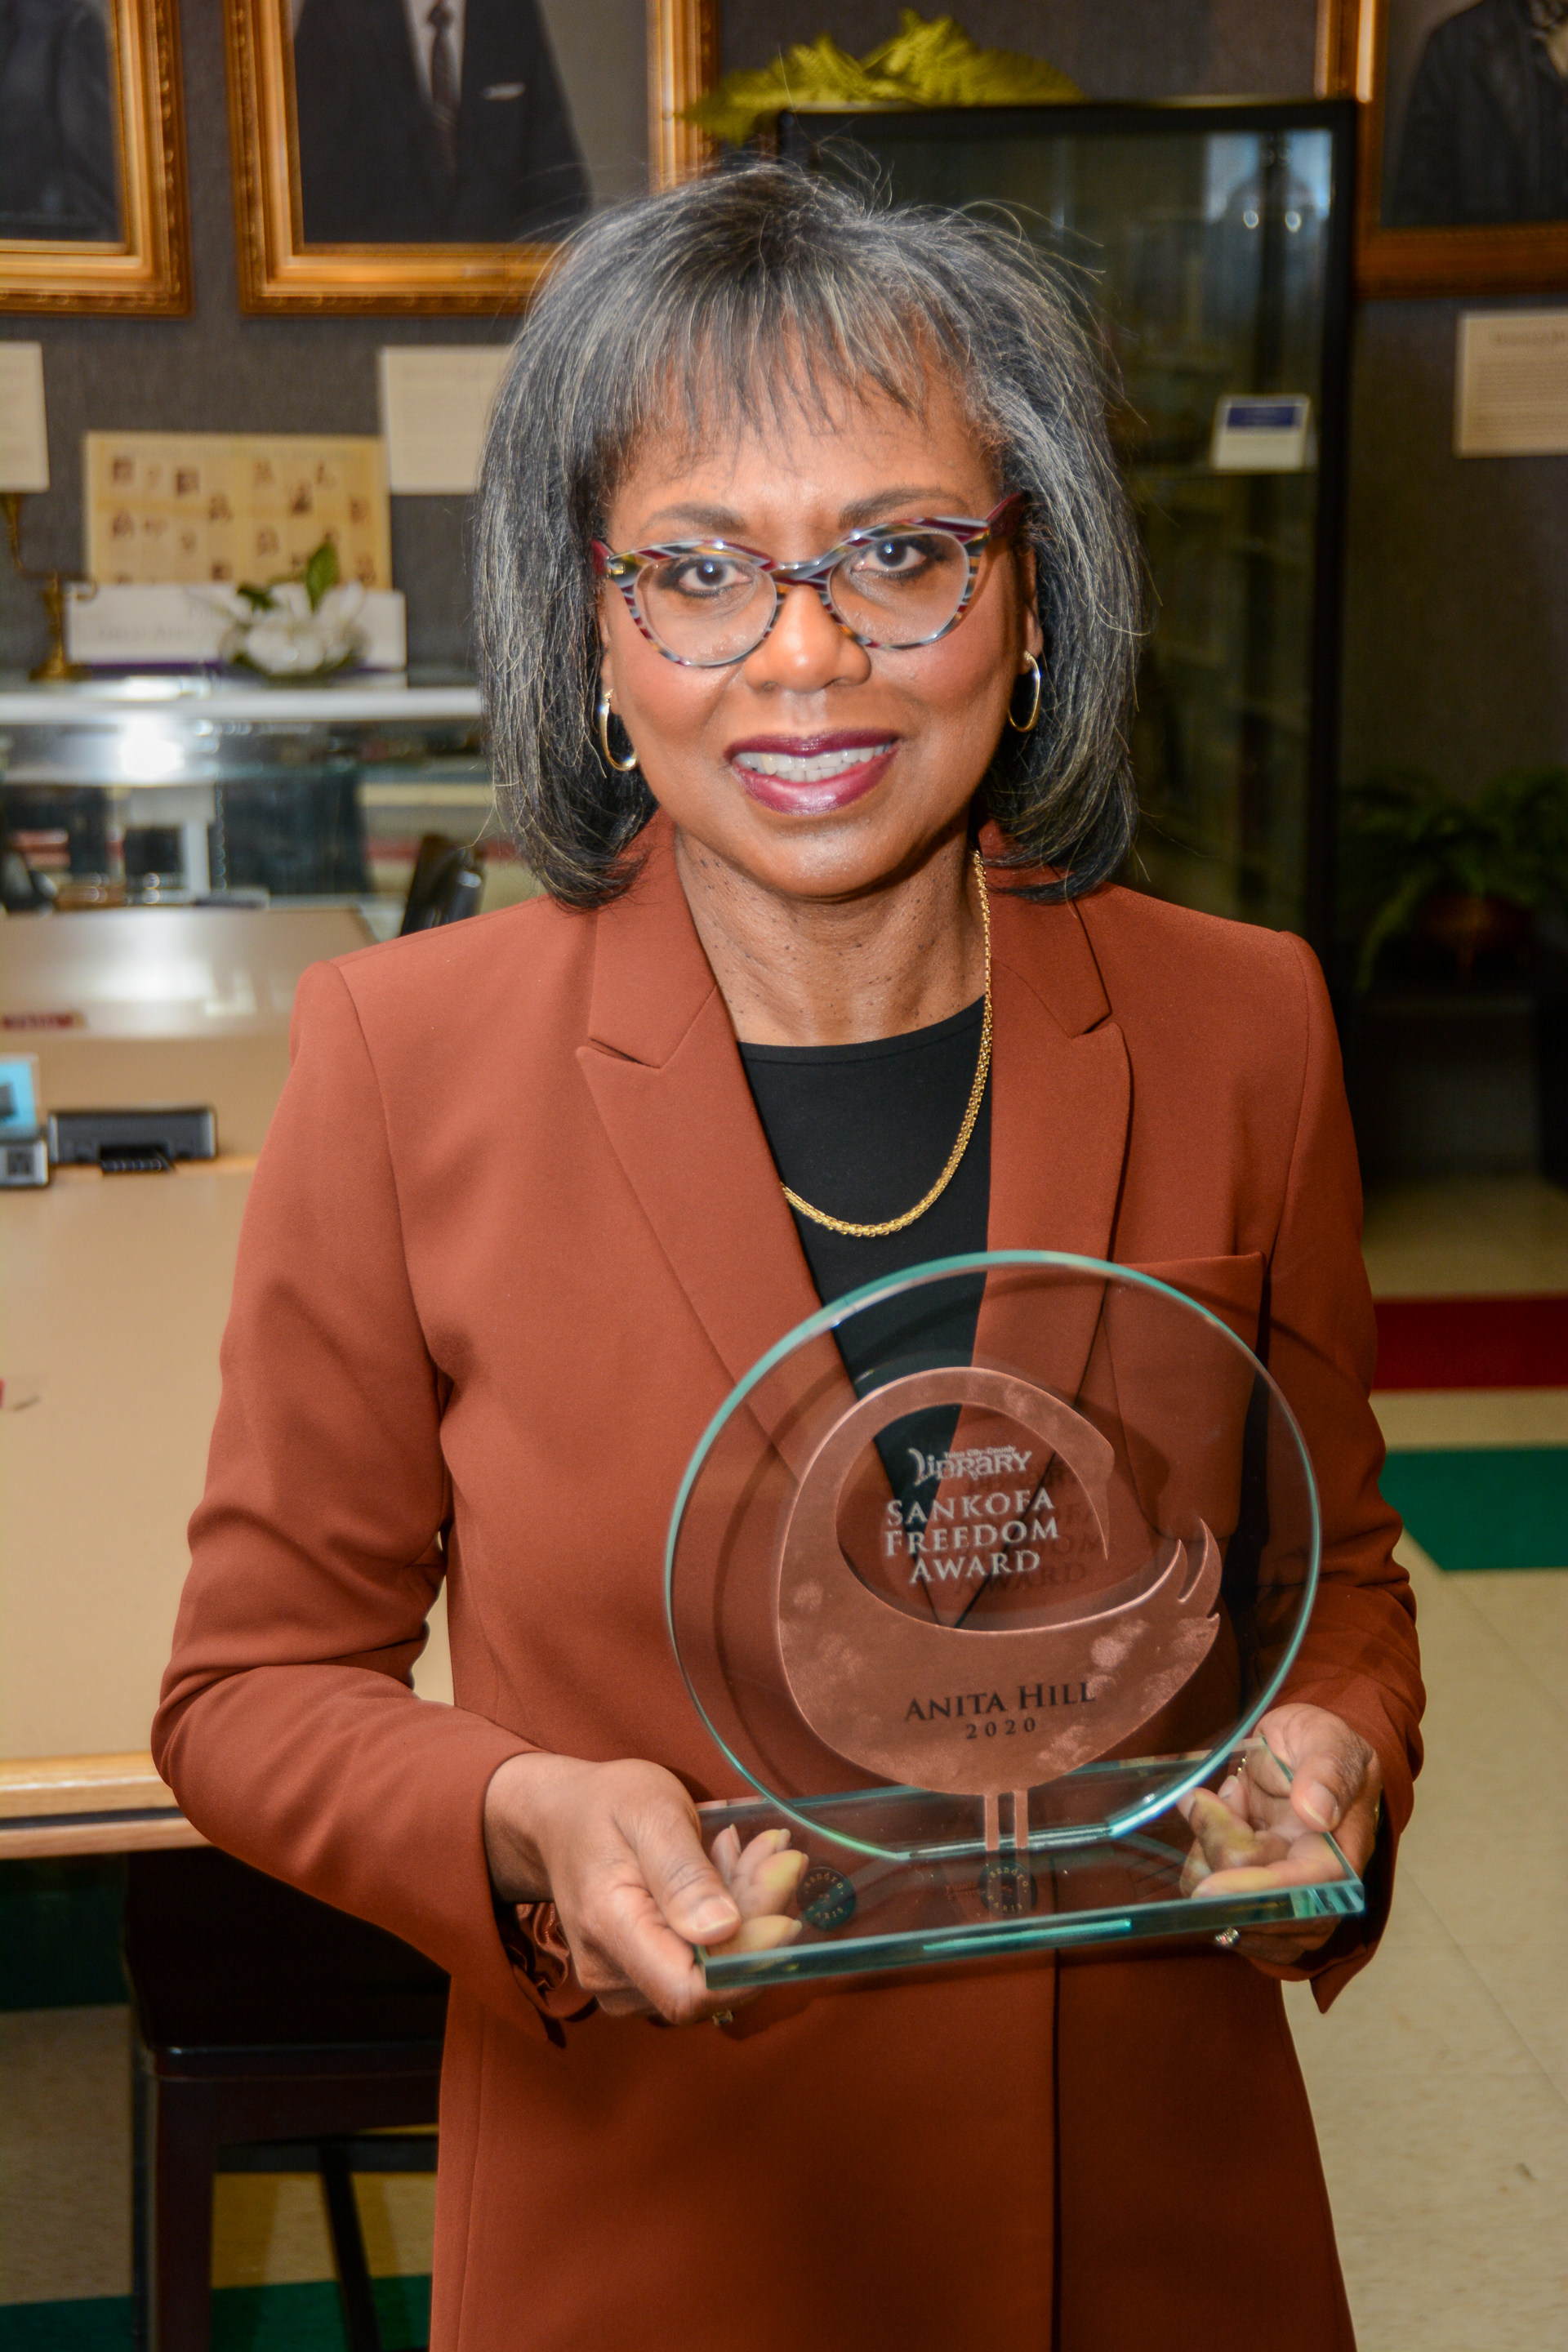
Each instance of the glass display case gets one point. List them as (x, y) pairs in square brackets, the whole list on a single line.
[(1211, 245), (162, 790)]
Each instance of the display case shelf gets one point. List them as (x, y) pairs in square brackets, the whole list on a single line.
[(1211, 243), (162, 787), (106, 702)]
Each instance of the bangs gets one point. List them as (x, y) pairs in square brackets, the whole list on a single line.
[(714, 340)]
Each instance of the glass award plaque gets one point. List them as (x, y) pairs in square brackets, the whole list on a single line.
[(976, 1576)]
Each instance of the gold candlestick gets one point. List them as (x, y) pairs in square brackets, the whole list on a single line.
[(54, 668)]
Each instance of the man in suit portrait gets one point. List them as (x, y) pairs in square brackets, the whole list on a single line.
[(1485, 136), (58, 173), (432, 121)]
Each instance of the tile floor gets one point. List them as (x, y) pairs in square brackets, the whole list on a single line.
[(1440, 2080), (1467, 1235)]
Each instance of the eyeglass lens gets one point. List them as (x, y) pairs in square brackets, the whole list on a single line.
[(710, 605)]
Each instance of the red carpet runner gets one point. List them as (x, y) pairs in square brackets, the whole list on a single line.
[(1473, 1343)]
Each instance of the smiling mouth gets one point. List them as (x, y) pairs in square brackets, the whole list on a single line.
[(818, 768)]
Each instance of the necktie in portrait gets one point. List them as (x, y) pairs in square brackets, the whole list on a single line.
[(444, 82)]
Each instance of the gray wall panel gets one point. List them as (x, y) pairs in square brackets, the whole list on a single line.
[(1457, 578)]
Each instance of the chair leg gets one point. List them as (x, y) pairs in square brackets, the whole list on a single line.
[(361, 2326), (140, 2198), (176, 2272)]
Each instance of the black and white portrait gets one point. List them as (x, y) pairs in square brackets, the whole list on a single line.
[(1476, 114), (432, 121), (428, 156), (59, 146)]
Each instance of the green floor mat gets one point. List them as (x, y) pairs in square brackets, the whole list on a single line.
[(1486, 1507), (99, 2324), (244, 2319), (59, 1933)]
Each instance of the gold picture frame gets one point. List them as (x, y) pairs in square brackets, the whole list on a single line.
[(145, 269), (1373, 51), (279, 272)]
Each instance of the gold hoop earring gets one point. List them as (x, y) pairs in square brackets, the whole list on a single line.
[(601, 715), (1026, 726)]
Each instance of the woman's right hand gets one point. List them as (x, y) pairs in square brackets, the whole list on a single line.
[(618, 1848)]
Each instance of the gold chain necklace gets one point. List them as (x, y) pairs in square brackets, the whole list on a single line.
[(976, 1095)]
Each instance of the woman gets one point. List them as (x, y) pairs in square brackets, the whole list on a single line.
[(521, 1221)]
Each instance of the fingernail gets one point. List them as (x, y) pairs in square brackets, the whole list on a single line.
[(713, 1918), (1320, 1804)]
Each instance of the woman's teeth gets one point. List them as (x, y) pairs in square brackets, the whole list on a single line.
[(815, 771)]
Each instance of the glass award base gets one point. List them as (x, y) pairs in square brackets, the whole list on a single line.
[(866, 1906), (1026, 1544)]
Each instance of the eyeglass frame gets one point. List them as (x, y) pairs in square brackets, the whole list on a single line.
[(975, 535)]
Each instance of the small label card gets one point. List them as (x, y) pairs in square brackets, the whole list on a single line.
[(24, 435), (175, 627), (1512, 384), (1260, 433), (435, 402)]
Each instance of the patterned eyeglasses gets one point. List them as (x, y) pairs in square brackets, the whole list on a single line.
[(706, 602)]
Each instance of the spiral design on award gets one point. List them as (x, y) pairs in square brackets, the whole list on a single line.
[(889, 1692)]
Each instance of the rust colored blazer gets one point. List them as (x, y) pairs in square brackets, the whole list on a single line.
[(514, 1234)]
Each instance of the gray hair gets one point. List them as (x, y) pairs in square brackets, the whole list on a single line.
[(762, 281)]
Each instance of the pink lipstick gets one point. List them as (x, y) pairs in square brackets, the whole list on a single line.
[(811, 775)]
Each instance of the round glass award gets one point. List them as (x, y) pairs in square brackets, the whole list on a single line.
[(973, 1578)]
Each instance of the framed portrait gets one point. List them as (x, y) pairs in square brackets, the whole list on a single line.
[(1464, 141), (93, 160), (426, 155)]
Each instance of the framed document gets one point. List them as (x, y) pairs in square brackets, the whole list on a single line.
[(428, 155), (199, 508), (93, 160), (1464, 141)]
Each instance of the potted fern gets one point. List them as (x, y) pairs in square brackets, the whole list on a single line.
[(1466, 876)]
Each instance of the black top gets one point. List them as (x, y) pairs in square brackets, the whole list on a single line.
[(862, 1132)]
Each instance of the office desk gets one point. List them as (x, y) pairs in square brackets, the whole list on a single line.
[(113, 1293), (165, 1004)]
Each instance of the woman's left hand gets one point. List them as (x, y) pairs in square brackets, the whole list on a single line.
[(1266, 1826)]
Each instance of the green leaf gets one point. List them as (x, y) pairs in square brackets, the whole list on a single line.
[(321, 572), (1405, 835), (1395, 916), (260, 600)]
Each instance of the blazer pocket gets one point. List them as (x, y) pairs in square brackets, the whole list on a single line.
[(1231, 1287)]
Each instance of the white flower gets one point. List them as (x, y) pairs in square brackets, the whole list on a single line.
[(291, 641), (275, 646), (341, 607)]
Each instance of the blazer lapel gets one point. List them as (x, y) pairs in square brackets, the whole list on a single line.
[(1062, 1098), (665, 1077)]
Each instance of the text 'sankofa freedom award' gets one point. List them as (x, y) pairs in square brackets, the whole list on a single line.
[(972, 1625)]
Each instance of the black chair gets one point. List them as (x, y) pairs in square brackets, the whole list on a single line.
[(446, 886), (273, 2033)]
